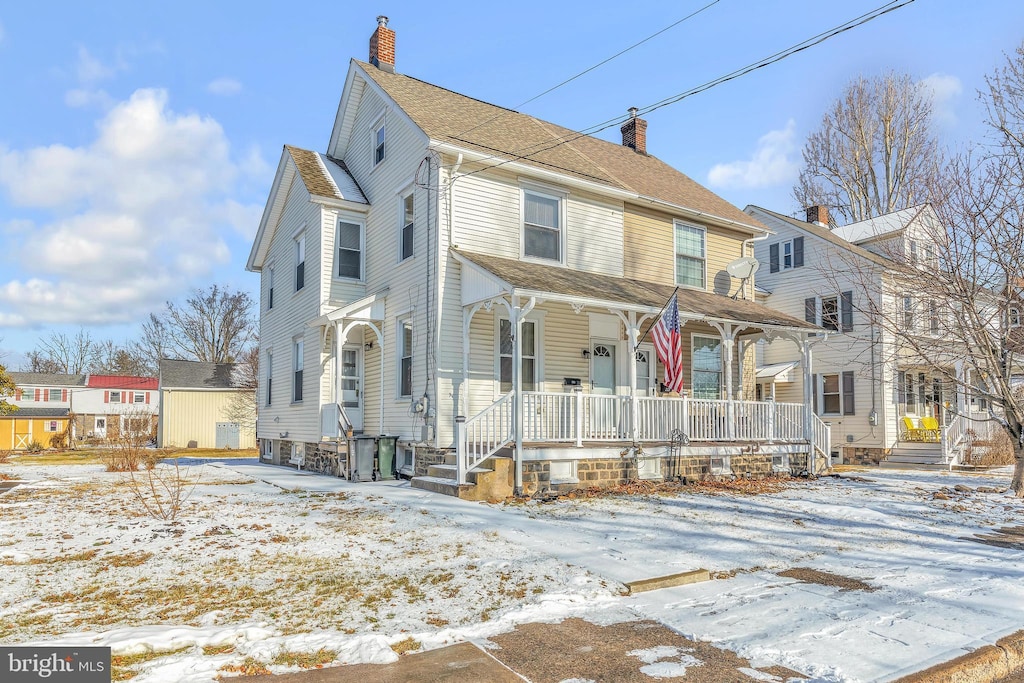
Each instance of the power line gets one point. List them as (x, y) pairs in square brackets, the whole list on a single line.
[(595, 66), (777, 57)]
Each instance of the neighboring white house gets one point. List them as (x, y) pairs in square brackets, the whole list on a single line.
[(864, 384), (475, 281)]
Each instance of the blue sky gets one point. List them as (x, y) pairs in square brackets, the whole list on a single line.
[(138, 140)]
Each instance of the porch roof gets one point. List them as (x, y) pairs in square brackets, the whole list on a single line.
[(778, 372), (525, 278)]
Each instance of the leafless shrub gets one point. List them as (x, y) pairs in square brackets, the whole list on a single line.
[(128, 442), (161, 491), (994, 453), (5, 456)]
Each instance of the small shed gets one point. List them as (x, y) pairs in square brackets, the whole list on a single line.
[(25, 426), (205, 403)]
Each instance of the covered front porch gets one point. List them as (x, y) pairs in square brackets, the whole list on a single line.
[(573, 376)]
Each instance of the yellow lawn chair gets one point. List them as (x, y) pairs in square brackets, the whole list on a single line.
[(930, 426), (912, 432)]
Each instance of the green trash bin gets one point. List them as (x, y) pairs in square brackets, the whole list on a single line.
[(386, 456)]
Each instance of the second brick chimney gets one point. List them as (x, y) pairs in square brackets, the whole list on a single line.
[(634, 132), (382, 46), (818, 214)]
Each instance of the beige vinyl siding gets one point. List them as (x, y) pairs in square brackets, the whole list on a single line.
[(280, 325), (649, 249), (193, 416)]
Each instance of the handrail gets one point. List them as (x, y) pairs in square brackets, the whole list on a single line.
[(483, 435)]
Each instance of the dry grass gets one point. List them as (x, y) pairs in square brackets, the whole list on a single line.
[(124, 667), (250, 666), (306, 660), (410, 644), (994, 453)]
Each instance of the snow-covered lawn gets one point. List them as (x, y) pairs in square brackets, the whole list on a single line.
[(269, 567)]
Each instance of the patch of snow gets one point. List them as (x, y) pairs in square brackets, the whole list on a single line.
[(758, 675)]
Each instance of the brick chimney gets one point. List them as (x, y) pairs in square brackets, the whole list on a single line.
[(382, 46), (634, 132), (818, 214)]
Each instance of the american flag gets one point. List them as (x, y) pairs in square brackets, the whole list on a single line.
[(668, 344)]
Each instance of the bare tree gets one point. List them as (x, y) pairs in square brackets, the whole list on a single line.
[(112, 359), (242, 407), (60, 353), (213, 325), (875, 151)]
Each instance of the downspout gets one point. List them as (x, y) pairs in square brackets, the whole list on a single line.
[(465, 379)]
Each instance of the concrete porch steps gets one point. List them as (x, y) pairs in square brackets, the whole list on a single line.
[(483, 483), (916, 455)]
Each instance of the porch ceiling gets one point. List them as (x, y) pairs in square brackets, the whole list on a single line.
[(496, 275)]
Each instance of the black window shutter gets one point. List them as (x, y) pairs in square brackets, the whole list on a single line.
[(798, 252), (848, 408), (846, 306), (814, 393), (773, 258), (811, 310)]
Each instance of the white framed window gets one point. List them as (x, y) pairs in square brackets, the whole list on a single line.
[(908, 313), (405, 346), (835, 393), (706, 377), (115, 397), (349, 250), (720, 465), (379, 140), (53, 394), (138, 397), (542, 225), (831, 399), (913, 251), (1013, 317), (300, 262), (780, 462), (297, 364), (270, 377), (408, 224), (530, 364), (690, 255), (933, 318), (270, 287), (266, 449), (787, 255), (51, 426), (830, 312)]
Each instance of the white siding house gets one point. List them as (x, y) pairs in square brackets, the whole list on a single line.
[(483, 296)]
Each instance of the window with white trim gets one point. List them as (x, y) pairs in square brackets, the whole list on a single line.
[(707, 367), (115, 397), (270, 288), (270, 377), (349, 243), (836, 393), (913, 251), (50, 426), (908, 313), (933, 317), (408, 225), (830, 312), (542, 225), (297, 363), (405, 345), (379, 137), (53, 394), (300, 262), (138, 397), (787, 255), (690, 255), (529, 366)]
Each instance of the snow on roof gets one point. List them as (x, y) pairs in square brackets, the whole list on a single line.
[(873, 228)]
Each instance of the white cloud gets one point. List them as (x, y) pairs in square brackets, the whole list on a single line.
[(945, 91), (139, 215), (89, 69), (772, 163), (224, 87)]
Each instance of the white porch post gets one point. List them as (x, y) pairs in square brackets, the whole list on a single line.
[(805, 354), (519, 312), (340, 334), (634, 403), (961, 388)]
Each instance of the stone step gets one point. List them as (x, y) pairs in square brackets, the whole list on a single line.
[(914, 456), (452, 472), (919, 446), (447, 487), (886, 464)]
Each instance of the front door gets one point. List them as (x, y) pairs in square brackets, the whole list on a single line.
[(602, 383), (352, 385)]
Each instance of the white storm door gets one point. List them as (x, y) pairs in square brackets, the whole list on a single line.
[(352, 385), (604, 412)]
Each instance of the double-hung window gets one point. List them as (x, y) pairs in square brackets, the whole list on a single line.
[(379, 135), (300, 262), (115, 397), (786, 255), (707, 367), (542, 225), (270, 287), (830, 313), (53, 394), (349, 241), (297, 370), (408, 224), (837, 394), (505, 345), (270, 377), (139, 397), (405, 357), (908, 313), (690, 255)]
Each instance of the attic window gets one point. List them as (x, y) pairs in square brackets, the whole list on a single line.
[(378, 143)]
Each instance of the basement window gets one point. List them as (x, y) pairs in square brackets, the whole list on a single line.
[(720, 465)]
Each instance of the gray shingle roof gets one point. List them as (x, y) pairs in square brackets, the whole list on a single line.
[(39, 412), (827, 235), (188, 374), (46, 379), (447, 116), (324, 176), (703, 305)]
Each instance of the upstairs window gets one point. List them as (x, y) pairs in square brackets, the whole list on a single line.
[(350, 250), (407, 226), (933, 317), (908, 313), (690, 255), (830, 313), (542, 225), (379, 136), (1013, 317), (786, 255), (300, 262), (270, 288), (53, 394), (913, 251), (138, 397), (115, 397)]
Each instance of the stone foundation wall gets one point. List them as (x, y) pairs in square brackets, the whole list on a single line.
[(425, 457), (853, 455), (325, 459)]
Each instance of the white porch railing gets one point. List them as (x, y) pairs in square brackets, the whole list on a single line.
[(334, 423), (822, 439), (961, 433), (483, 435)]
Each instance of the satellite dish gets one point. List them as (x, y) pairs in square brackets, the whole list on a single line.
[(742, 268)]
